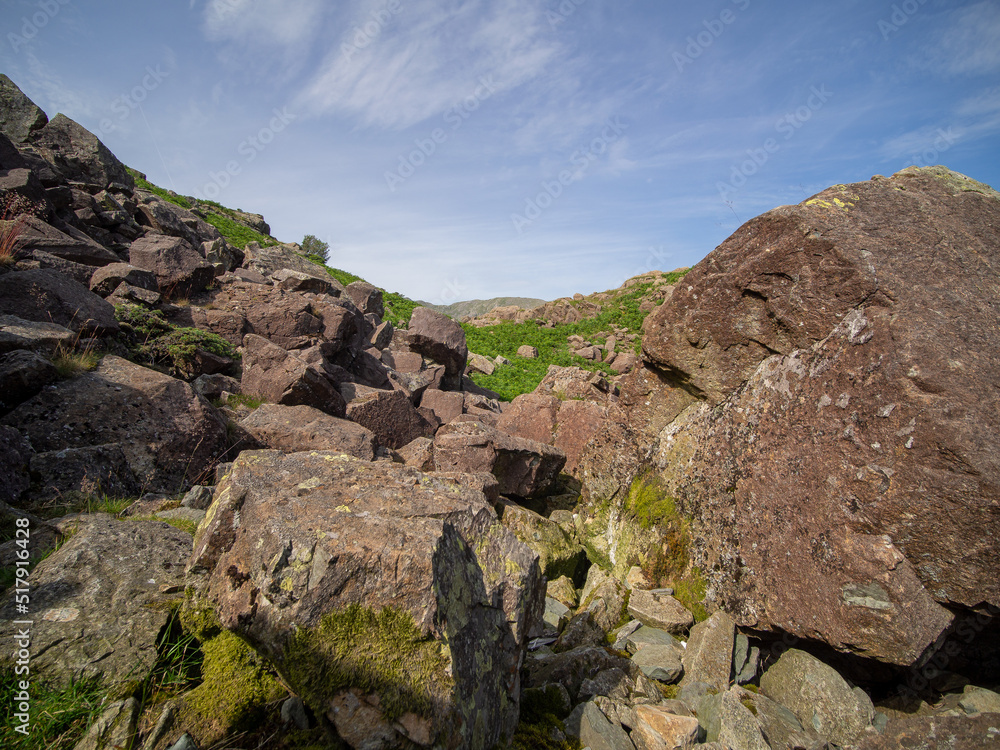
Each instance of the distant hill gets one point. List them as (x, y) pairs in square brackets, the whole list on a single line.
[(473, 308)]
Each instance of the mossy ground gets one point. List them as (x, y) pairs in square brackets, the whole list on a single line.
[(381, 652), (669, 564)]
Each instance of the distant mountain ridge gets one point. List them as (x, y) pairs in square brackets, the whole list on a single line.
[(474, 308)]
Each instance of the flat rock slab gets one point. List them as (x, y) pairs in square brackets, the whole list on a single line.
[(662, 663), (291, 541), (99, 603), (46, 296), (303, 428), (168, 433), (934, 733), (660, 610), (657, 729)]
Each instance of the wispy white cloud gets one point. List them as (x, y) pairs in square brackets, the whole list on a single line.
[(258, 35), (393, 72), (967, 45)]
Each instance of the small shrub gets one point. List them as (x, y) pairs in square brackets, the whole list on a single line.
[(315, 249), (71, 364)]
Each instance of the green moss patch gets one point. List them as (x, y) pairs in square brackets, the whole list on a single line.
[(235, 690), (381, 652)]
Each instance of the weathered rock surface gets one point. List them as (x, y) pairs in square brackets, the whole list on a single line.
[(657, 609), (78, 155), (523, 467), (291, 542), (934, 733), (708, 657), (818, 696), (37, 236), (304, 428), (558, 554), (280, 377), (658, 729), (98, 602), (105, 280), (848, 374), (46, 296), (180, 270), (20, 118), (169, 434), (441, 340), (17, 333), (390, 416)]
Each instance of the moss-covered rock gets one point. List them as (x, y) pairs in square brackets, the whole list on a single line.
[(393, 601)]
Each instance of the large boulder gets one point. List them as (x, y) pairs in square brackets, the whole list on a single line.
[(848, 416), (393, 601), (280, 377), (46, 296), (170, 219), (106, 280), (20, 118), (180, 270), (442, 340), (303, 428), (100, 602), (170, 435), (79, 156), (524, 468)]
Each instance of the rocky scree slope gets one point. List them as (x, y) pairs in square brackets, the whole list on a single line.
[(334, 519)]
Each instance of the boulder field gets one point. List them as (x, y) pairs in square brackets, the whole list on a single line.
[(774, 530)]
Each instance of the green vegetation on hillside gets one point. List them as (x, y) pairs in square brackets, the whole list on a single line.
[(398, 308), (524, 375), (167, 195)]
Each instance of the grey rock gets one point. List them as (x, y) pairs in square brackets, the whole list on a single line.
[(556, 614), (297, 281), (660, 610), (15, 459), (581, 630), (40, 237), (708, 656), (23, 373), (662, 663), (20, 118), (113, 728), (738, 729), (198, 497), (589, 723), (979, 700), (98, 601), (818, 696), (39, 336), (180, 270), (293, 711), (78, 155), (46, 296), (85, 472), (646, 636)]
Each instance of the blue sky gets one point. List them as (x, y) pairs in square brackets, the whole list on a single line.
[(457, 149)]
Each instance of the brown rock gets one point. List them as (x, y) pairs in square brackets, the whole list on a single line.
[(445, 404), (297, 281), (280, 377), (46, 296), (442, 340), (531, 416), (527, 351), (658, 729), (419, 453), (523, 467), (169, 434), (391, 416), (180, 270), (303, 428), (861, 417), (367, 297), (107, 279), (78, 155), (933, 733)]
